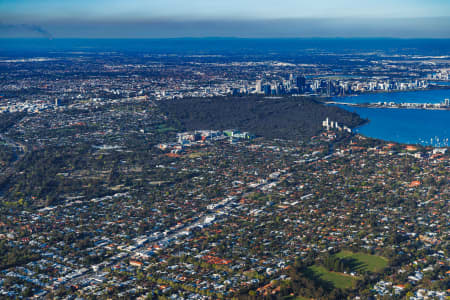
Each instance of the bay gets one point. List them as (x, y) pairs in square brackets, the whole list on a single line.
[(409, 126)]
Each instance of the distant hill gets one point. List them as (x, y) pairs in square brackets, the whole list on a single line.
[(288, 118)]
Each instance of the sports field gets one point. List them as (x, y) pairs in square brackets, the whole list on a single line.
[(363, 261), (339, 280)]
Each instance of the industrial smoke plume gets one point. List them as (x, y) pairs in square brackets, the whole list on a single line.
[(27, 27)]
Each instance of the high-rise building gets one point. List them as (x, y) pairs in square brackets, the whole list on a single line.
[(259, 86), (266, 89), (301, 83)]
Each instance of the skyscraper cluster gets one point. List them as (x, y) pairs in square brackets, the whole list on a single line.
[(293, 85)]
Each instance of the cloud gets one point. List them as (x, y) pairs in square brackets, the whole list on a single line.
[(305, 27), (286, 28)]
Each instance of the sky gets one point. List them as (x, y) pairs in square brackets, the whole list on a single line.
[(238, 18)]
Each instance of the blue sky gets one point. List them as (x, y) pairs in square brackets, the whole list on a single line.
[(159, 18)]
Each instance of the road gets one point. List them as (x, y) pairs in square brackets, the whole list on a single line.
[(164, 240)]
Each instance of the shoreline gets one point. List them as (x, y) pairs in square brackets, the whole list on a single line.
[(371, 117), (405, 105), (432, 88)]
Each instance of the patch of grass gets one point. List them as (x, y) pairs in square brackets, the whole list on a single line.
[(198, 154), (163, 128), (364, 262), (339, 280)]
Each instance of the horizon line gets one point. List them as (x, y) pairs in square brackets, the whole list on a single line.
[(229, 37)]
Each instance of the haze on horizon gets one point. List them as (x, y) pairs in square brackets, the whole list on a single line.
[(236, 18)]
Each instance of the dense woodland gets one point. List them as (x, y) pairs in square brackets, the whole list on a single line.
[(8, 120), (287, 118)]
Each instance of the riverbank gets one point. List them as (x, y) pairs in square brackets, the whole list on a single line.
[(395, 116), (407, 105)]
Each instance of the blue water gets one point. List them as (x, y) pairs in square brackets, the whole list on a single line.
[(241, 46), (410, 126), (428, 96)]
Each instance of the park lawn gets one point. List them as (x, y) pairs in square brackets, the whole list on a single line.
[(372, 263), (339, 280)]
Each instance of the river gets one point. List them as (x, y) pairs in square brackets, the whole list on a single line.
[(410, 126)]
